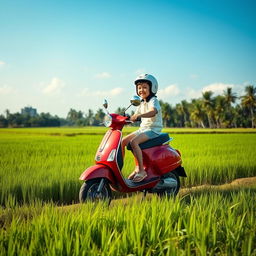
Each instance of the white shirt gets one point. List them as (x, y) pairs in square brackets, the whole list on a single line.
[(154, 123)]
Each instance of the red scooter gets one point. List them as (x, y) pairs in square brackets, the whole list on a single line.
[(161, 162)]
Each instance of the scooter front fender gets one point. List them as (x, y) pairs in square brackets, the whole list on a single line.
[(97, 171)]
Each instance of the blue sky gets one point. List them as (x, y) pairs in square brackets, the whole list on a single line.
[(57, 55)]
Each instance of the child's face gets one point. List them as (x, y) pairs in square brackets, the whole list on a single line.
[(143, 90)]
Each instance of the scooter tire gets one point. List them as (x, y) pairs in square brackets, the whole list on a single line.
[(169, 193), (88, 191)]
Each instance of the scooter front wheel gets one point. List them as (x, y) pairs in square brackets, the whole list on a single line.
[(95, 190)]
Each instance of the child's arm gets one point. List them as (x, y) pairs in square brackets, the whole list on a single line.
[(151, 113)]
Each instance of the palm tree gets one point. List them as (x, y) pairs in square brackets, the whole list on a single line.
[(99, 116), (89, 117), (230, 97), (179, 115), (72, 116), (219, 110), (166, 112), (197, 114), (249, 101), (7, 112), (75, 117), (184, 105), (120, 111), (208, 106)]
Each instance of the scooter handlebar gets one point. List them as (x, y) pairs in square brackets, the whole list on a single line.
[(129, 122), (128, 118)]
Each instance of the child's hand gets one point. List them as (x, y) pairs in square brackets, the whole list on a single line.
[(134, 118)]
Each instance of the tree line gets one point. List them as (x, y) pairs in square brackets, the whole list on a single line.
[(209, 111), (222, 111)]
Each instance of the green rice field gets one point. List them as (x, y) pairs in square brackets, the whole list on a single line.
[(45, 164), (40, 214)]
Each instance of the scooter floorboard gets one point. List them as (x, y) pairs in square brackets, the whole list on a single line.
[(131, 183)]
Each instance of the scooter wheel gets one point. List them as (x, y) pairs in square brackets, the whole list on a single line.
[(89, 191), (171, 192)]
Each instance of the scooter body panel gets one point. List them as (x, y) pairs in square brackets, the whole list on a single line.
[(109, 150), (98, 171), (163, 159)]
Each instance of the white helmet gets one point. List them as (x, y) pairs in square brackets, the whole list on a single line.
[(150, 79)]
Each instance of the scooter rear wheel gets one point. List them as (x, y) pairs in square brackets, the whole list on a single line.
[(171, 192), (89, 191)]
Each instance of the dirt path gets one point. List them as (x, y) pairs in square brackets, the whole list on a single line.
[(235, 184), (6, 215)]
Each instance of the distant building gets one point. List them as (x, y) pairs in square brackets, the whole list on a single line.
[(29, 111)]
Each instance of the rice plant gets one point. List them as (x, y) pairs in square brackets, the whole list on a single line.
[(214, 223), (39, 171), (41, 166)]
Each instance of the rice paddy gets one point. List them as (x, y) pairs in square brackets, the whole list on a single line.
[(39, 185)]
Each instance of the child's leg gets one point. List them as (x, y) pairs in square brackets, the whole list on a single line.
[(138, 155), (126, 140)]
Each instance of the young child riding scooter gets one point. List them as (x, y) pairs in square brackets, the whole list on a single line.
[(151, 121)]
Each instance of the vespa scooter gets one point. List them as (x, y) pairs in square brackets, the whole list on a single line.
[(161, 162)]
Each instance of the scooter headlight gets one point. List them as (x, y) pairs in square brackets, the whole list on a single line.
[(107, 120)]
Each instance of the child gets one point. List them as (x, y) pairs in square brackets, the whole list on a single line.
[(151, 121)]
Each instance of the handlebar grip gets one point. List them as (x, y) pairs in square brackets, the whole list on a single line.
[(128, 116)]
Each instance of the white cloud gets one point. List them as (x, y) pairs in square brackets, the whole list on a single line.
[(169, 91), (217, 88), (192, 93), (239, 88), (114, 92), (2, 63), (175, 94), (140, 71), (54, 87), (103, 75), (7, 90)]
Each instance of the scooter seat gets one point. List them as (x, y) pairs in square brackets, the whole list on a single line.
[(158, 141)]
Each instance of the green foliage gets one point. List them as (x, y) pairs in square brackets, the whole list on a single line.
[(45, 164), (199, 224), (39, 169)]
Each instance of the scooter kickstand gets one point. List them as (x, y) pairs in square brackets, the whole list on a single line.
[(144, 193)]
